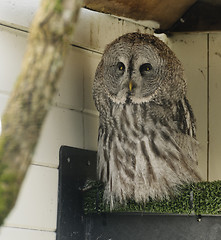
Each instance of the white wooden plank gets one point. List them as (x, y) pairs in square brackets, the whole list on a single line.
[(90, 131), (12, 48), (91, 61), (191, 49), (214, 106), (7, 233), (61, 127), (18, 13), (100, 29), (36, 206), (70, 89)]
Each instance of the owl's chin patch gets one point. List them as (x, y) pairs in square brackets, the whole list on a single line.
[(140, 100), (128, 99), (117, 99)]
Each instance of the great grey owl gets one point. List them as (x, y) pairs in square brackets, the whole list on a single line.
[(146, 141)]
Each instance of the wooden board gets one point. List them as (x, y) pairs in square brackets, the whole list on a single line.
[(214, 107), (191, 49), (166, 12)]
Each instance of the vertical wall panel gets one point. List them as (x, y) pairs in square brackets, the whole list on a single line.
[(91, 61), (90, 131), (215, 106), (70, 89), (191, 49), (36, 206), (12, 47), (61, 127)]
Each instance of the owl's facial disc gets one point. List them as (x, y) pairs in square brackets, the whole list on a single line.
[(133, 73)]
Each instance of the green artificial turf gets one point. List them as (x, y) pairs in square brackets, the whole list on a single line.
[(196, 198)]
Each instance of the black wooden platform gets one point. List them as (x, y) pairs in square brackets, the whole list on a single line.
[(76, 165)]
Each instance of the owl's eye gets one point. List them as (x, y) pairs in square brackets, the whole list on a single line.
[(121, 67), (144, 68)]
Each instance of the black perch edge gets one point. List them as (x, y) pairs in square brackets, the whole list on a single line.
[(76, 166)]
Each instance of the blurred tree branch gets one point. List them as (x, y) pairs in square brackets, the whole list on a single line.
[(29, 102)]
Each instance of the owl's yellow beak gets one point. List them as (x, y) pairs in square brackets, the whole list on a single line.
[(130, 85)]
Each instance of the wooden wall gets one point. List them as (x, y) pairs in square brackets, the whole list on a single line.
[(201, 56)]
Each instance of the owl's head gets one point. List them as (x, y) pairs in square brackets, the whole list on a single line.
[(138, 68)]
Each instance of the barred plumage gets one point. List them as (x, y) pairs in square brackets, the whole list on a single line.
[(147, 141)]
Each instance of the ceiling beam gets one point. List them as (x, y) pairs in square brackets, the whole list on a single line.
[(165, 12)]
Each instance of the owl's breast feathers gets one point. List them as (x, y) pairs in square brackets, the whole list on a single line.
[(145, 150)]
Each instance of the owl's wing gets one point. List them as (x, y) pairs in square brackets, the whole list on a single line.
[(185, 123), (185, 118)]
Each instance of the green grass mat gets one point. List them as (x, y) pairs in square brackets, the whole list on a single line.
[(196, 198)]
